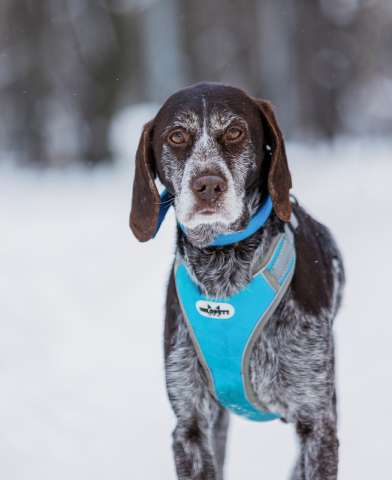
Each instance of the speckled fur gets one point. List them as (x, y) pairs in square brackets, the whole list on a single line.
[(292, 365)]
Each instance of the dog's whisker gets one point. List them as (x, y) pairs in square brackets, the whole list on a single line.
[(164, 202)]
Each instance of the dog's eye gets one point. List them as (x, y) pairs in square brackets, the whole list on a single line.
[(233, 134), (178, 137)]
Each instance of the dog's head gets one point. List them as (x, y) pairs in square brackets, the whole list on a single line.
[(218, 152)]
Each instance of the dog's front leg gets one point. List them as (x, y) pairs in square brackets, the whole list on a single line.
[(319, 449), (198, 415), (193, 454)]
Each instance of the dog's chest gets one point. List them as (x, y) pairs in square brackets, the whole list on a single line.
[(224, 331)]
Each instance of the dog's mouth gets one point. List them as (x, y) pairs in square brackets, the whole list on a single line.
[(207, 211), (218, 216), (204, 221), (207, 214)]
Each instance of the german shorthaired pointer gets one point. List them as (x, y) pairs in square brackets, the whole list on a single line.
[(220, 154)]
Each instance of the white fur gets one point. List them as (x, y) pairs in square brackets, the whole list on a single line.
[(205, 157)]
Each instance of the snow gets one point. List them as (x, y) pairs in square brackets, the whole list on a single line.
[(81, 368)]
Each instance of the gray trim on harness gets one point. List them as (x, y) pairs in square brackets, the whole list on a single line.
[(273, 276), (289, 250)]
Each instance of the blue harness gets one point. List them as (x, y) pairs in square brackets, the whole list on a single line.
[(224, 330)]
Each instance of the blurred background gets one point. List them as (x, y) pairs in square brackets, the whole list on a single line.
[(81, 301), (69, 67)]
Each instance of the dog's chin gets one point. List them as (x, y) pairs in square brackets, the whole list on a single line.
[(204, 232)]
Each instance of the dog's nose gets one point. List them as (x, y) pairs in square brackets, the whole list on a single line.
[(209, 187)]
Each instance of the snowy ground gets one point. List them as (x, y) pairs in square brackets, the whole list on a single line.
[(81, 368)]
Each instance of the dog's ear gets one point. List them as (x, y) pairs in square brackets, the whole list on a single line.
[(145, 197), (279, 178)]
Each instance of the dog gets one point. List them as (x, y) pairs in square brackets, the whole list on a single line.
[(220, 154)]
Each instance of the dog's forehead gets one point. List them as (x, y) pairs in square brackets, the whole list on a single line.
[(211, 104), (213, 116)]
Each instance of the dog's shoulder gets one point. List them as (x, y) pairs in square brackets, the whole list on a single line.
[(172, 312), (319, 273)]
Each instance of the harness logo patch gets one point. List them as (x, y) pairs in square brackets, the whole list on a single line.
[(214, 309)]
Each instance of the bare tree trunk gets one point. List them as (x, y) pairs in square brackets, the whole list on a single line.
[(323, 68), (22, 36), (219, 40), (277, 23), (161, 46)]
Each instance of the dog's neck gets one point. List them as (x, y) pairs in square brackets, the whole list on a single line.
[(223, 271)]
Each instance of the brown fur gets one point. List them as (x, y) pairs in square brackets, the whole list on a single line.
[(145, 208)]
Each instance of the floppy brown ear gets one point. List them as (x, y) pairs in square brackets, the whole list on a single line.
[(145, 197), (279, 178)]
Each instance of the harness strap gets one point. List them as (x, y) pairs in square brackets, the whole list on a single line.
[(224, 331)]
